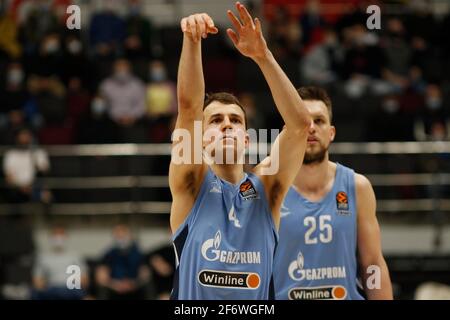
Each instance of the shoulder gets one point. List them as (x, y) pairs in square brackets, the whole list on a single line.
[(361, 182), (9, 153), (365, 196)]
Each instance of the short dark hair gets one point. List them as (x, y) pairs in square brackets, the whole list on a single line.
[(225, 98), (317, 93)]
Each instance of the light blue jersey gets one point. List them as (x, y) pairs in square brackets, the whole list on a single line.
[(225, 247), (316, 254)]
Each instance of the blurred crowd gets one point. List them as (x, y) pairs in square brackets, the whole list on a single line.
[(114, 80), (55, 271), (99, 85)]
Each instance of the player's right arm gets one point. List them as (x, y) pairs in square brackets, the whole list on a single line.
[(185, 177)]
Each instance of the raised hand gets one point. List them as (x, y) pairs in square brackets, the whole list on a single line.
[(247, 36), (198, 26)]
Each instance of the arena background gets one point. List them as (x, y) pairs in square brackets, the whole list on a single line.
[(390, 91)]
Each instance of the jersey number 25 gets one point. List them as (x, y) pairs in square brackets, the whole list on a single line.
[(326, 231)]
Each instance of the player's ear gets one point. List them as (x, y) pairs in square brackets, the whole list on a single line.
[(332, 133)]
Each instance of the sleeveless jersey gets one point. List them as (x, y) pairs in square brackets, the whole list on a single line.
[(225, 247), (316, 254)]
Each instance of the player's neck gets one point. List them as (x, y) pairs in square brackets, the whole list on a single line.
[(232, 173), (315, 177)]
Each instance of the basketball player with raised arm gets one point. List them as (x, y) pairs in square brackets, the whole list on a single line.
[(224, 220)]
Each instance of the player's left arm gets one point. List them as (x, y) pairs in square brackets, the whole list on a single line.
[(373, 268), (279, 169), (288, 152)]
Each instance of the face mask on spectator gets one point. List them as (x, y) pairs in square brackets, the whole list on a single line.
[(122, 75), (355, 87), (390, 106), (98, 107), (15, 77), (123, 243), (58, 242), (52, 46), (434, 103), (74, 46), (158, 75)]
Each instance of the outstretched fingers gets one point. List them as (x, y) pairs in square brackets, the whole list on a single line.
[(235, 21), (245, 15), (233, 36), (258, 26)]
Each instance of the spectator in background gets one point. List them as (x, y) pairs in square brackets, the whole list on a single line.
[(319, 64), (312, 23), (362, 62), (107, 30), (433, 123), (50, 277), (49, 61), (39, 21), (122, 273), (95, 125), (161, 96), (76, 63), (124, 94), (162, 266), (9, 45), (398, 54), (106, 36), (390, 122), (47, 100), (355, 14), (78, 100), (14, 95), (284, 35), (11, 123), (21, 165), (140, 38), (13, 99)]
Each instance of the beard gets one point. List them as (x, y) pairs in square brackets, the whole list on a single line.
[(315, 156)]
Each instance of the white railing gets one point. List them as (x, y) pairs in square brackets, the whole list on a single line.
[(148, 207)]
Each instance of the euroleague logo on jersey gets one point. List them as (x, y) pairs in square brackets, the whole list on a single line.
[(342, 203), (248, 191)]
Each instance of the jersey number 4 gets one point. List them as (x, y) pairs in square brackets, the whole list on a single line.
[(326, 231)]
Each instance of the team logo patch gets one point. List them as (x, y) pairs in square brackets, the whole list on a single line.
[(342, 203), (248, 191), (318, 293), (231, 280)]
